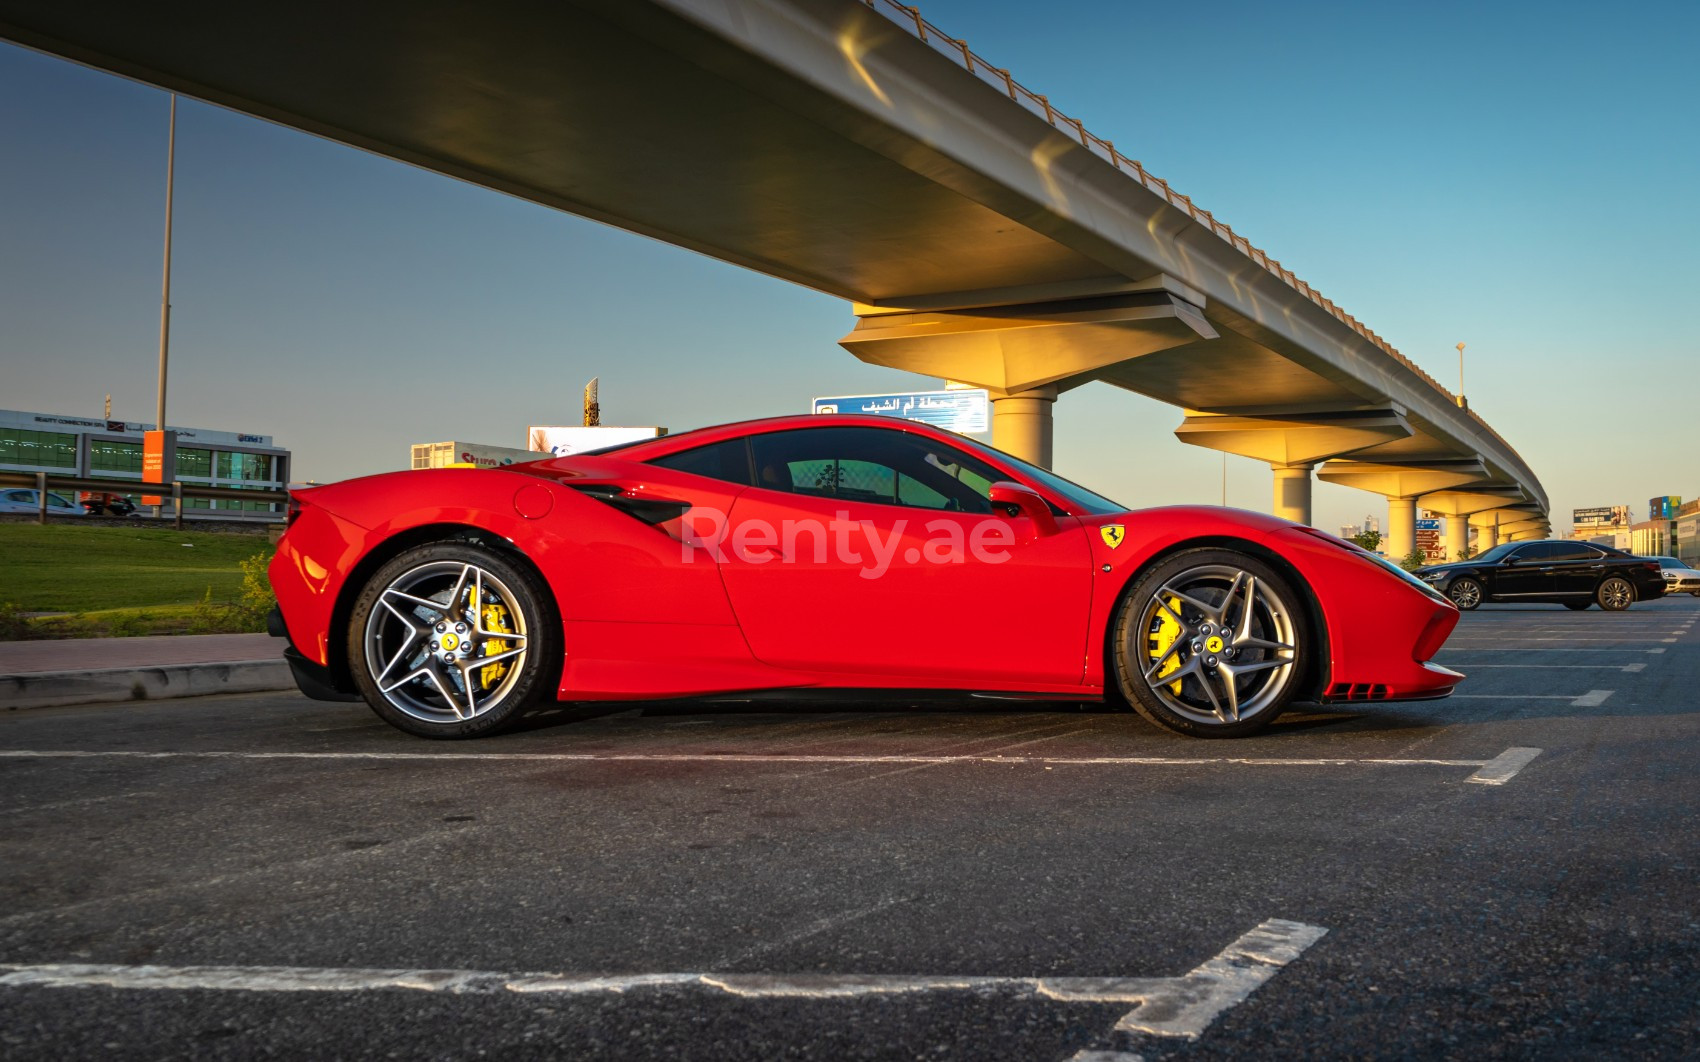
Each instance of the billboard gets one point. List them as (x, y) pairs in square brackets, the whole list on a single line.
[(455, 454), (966, 410), (561, 440), (1663, 507), (159, 461)]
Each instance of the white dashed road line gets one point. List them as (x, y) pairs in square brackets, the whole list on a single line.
[(1450, 648), (1504, 767), (1163, 1006), (1560, 667), (1591, 699)]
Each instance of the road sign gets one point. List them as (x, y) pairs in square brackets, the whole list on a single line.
[(1428, 540), (967, 410)]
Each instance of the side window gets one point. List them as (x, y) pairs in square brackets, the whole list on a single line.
[(1575, 551), (892, 467), (1540, 552), (729, 460)]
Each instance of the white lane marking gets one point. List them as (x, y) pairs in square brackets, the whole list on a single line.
[(1086, 1054), (1163, 1006), (1504, 767), (1567, 641), (999, 751), (1191, 1003), (1450, 648), (1561, 667), (1513, 697), (1668, 641), (1592, 699), (747, 757)]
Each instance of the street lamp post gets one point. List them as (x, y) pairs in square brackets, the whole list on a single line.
[(165, 287)]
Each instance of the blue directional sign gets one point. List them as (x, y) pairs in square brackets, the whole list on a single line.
[(967, 410)]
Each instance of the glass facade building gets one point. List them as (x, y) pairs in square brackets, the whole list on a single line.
[(112, 449)]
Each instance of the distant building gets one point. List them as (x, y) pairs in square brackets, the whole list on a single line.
[(1688, 533), (112, 449)]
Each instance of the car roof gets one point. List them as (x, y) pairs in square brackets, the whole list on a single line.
[(661, 446)]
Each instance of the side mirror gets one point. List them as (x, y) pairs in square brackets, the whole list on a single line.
[(1018, 500)]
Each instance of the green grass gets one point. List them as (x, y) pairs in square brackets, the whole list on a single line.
[(61, 568)]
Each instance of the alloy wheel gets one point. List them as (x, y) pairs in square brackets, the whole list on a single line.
[(445, 641), (1220, 645)]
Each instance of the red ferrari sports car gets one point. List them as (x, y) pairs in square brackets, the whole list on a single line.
[(827, 552)]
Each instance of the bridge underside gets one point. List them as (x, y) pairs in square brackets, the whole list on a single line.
[(815, 141)]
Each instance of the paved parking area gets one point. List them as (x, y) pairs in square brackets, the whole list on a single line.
[(1507, 873)]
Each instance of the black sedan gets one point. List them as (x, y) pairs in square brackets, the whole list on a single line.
[(1572, 574)]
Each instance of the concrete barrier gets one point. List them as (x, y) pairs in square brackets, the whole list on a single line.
[(51, 689)]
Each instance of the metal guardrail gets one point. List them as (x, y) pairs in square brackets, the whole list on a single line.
[(177, 490), (909, 18)]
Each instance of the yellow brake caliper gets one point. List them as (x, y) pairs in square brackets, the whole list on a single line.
[(1163, 636), (495, 619)]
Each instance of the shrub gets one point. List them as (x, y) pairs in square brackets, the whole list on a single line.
[(14, 625), (256, 599), (1413, 560)]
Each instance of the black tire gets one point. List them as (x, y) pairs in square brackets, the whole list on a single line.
[(1578, 606), (1466, 593), (1190, 610), (404, 632), (1615, 593)]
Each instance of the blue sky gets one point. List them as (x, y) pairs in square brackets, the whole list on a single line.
[(1519, 177)]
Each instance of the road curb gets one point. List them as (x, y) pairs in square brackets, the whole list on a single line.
[(53, 689)]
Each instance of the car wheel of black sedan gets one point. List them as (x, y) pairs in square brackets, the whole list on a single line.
[(1578, 606), (1466, 594), (452, 640), (1211, 643), (1616, 594)]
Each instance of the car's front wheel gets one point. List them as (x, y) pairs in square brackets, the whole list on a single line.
[(453, 640), (1615, 594), (1211, 643), (1466, 593)]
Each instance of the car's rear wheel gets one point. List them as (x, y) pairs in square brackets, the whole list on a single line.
[(1578, 606), (1615, 594), (452, 640), (1211, 643), (1466, 593)]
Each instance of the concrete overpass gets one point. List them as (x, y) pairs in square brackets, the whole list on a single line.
[(849, 146)]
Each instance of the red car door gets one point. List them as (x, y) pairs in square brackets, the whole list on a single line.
[(852, 567)]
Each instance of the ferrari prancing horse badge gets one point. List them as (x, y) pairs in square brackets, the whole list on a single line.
[(1113, 534)]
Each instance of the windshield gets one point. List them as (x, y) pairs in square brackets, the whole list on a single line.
[(1079, 497)]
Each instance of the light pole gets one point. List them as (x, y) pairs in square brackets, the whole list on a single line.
[(165, 287), (1460, 375)]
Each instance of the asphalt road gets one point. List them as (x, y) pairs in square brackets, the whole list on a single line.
[(763, 854)]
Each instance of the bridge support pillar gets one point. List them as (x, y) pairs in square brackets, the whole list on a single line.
[(1025, 352), (1021, 424), (1292, 492), (1457, 538), (1460, 507), (1293, 443), (1401, 527), (1487, 529), (1402, 485)]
